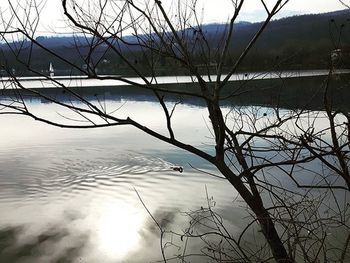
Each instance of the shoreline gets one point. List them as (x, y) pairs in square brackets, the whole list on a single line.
[(118, 80)]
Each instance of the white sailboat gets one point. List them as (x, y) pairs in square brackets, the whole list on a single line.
[(51, 70)]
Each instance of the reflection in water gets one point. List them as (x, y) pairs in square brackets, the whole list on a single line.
[(68, 195), (118, 229), (52, 244)]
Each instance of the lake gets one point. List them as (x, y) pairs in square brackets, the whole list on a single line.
[(86, 195), (69, 194)]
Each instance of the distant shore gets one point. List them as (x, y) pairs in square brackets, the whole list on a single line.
[(76, 81)]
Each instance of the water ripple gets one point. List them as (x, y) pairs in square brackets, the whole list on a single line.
[(78, 176)]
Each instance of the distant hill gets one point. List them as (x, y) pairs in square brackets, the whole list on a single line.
[(297, 42), (295, 27)]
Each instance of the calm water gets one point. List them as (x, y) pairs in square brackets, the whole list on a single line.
[(69, 194)]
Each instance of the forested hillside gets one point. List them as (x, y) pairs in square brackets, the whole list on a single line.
[(298, 42)]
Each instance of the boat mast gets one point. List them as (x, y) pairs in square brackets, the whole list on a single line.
[(51, 70)]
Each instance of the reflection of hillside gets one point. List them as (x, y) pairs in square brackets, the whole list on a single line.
[(289, 93)]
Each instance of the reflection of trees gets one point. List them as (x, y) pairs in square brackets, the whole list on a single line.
[(255, 150), (39, 248)]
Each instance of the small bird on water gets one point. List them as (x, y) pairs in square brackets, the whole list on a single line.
[(177, 168)]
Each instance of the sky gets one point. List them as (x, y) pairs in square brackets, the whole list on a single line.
[(51, 17), (253, 11)]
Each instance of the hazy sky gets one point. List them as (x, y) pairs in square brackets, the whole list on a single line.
[(214, 11), (252, 9)]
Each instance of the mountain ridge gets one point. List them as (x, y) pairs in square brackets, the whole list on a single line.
[(295, 42)]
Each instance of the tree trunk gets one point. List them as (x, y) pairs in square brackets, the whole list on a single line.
[(263, 217), (268, 229)]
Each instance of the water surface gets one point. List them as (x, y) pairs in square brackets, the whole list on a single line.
[(69, 195)]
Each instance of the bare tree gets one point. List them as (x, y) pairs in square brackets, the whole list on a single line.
[(345, 3), (252, 150)]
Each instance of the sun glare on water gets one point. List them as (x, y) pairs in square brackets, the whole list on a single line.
[(118, 229)]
